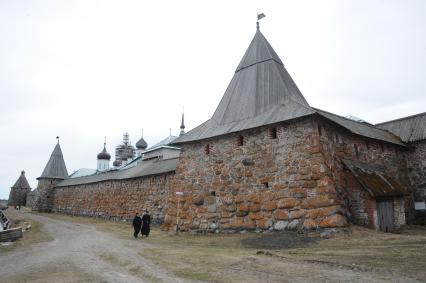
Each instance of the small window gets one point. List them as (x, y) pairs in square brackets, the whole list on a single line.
[(207, 149), (381, 146), (273, 133), (240, 141), (319, 130), (266, 184), (213, 193)]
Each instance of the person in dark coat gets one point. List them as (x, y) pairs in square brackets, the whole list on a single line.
[(146, 220), (137, 223)]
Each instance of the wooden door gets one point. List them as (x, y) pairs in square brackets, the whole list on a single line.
[(385, 215)]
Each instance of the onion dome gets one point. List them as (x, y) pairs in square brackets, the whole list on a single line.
[(104, 154), (116, 163), (141, 144)]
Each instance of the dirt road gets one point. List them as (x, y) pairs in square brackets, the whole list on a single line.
[(100, 252), (80, 253)]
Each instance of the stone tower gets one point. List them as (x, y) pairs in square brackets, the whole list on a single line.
[(54, 172), (103, 159), (19, 191)]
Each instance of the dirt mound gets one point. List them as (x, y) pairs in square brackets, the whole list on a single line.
[(279, 241)]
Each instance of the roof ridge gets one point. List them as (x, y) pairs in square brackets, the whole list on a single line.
[(402, 118), (365, 124)]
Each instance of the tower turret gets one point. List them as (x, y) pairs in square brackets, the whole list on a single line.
[(54, 172), (141, 146), (103, 159), (182, 126), (19, 191)]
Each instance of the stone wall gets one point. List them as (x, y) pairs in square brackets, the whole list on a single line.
[(45, 193), (18, 196), (337, 144), (361, 206), (116, 199), (31, 198), (416, 164), (265, 183), (398, 210)]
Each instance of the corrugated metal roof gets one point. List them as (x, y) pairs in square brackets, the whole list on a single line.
[(55, 167), (145, 168), (22, 182), (165, 141), (409, 129), (82, 172), (361, 128), (260, 93), (375, 181)]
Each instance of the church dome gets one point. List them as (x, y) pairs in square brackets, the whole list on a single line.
[(116, 163), (104, 155), (141, 144)]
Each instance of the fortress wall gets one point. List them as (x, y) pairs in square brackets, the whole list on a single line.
[(18, 196), (280, 183), (118, 199), (338, 144), (416, 164)]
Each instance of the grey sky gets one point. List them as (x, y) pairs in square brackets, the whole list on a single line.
[(88, 69)]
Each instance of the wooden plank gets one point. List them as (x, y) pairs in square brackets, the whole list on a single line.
[(385, 215), (10, 234)]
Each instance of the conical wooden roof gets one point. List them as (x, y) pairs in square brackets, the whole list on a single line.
[(22, 182), (260, 93), (55, 167)]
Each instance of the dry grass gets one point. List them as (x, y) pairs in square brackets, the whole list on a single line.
[(63, 273), (226, 258), (120, 229), (366, 249)]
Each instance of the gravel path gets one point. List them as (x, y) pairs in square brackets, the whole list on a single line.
[(82, 247)]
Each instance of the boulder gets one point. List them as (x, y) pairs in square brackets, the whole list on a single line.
[(287, 203), (296, 214), (270, 206), (212, 208), (315, 202), (309, 224), (293, 225), (254, 207), (334, 221), (280, 225), (263, 223), (281, 214)]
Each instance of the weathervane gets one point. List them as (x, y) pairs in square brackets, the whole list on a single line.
[(57, 137), (259, 17)]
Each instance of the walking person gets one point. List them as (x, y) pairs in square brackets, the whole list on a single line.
[(146, 220), (137, 223)]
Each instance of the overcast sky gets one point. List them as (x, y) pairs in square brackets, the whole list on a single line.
[(88, 69)]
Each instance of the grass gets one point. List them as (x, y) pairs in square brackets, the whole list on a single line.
[(64, 273), (135, 270), (228, 258)]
